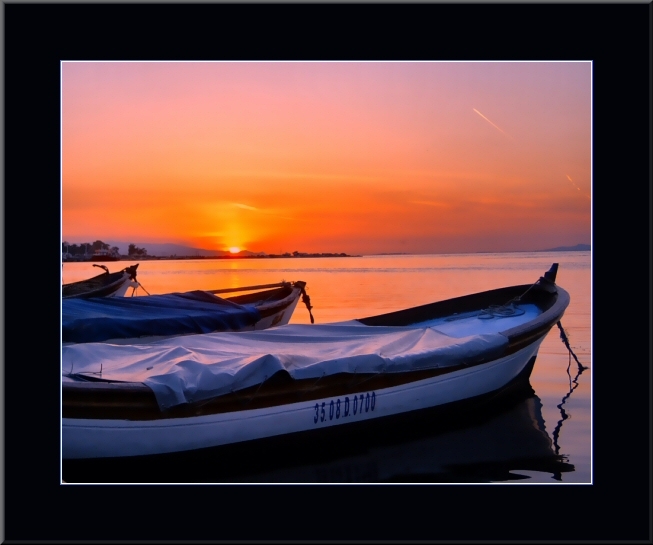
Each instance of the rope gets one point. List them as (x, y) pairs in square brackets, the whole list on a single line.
[(139, 286), (257, 389), (573, 384), (500, 311), (565, 340), (240, 398), (312, 386), (493, 311), (307, 301), (370, 376), (518, 298)]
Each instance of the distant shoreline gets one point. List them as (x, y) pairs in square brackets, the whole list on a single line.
[(180, 257), (84, 259)]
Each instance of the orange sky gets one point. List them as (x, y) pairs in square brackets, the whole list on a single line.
[(352, 157)]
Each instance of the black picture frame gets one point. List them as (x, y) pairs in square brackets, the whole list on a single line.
[(617, 38)]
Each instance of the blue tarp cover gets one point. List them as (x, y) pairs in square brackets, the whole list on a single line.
[(101, 319)]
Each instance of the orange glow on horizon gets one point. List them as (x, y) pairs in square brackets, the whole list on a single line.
[(328, 157)]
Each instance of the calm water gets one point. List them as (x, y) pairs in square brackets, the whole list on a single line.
[(543, 436)]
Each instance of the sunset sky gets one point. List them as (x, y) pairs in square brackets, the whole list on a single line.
[(355, 157)]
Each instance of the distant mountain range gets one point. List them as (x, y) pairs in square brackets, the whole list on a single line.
[(169, 249), (166, 250), (577, 248)]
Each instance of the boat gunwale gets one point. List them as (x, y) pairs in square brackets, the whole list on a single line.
[(100, 281), (103, 284), (270, 305), (139, 403)]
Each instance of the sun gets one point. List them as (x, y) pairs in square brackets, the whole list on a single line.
[(234, 249)]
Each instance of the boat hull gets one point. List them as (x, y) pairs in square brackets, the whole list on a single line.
[(279, 316), (273, 312), (103, 285), (108, 438), (431, 445)]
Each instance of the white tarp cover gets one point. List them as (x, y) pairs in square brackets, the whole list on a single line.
[(197, 367)]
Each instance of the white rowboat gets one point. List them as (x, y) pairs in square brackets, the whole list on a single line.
[(204, 391)]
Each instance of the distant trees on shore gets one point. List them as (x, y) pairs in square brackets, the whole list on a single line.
[(80, 252), (88, 248), (134, 251)]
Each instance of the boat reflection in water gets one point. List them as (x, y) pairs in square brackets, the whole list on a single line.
[(491, 445)]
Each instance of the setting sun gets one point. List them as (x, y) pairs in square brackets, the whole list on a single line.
[(234, 249)]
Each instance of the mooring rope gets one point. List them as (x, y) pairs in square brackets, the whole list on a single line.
[(518, 298), (139, 286), (565, 340), (307, 301), (573, 384)]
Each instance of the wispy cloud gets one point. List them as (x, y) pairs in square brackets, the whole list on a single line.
[(244, 206), (490, 122), (578, 188), (259, 210)]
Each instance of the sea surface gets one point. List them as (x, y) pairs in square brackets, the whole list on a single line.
[(541, 435)]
